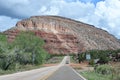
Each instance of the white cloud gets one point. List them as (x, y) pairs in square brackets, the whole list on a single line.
[(42, 9), (7, 22), (109, 12), (51, 11), (105, 14)]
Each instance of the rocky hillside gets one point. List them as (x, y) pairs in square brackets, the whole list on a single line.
[(64, 35)]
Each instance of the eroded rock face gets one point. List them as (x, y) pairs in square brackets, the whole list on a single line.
[(59, 43), (63, 35), (11, 34)]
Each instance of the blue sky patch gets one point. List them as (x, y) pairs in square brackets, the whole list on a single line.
[(92, 1)]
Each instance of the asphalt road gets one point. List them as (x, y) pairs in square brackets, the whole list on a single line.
[(65, 73), (36, 74), (60, 72)]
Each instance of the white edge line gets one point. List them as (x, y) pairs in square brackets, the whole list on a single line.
[(79, 74)]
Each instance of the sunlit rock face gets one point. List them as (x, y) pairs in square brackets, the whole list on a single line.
[(64, 35)]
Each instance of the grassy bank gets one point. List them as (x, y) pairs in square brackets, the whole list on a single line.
[(103, 72), (91, 75)]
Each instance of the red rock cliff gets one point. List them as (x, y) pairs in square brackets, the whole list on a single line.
[(63, 35)]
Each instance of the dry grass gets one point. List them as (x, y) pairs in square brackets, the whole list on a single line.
[(47, 65), (81, 66)]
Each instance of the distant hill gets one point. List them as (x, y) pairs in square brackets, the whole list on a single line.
[(64, 35)]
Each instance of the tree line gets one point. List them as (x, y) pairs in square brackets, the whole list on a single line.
[(104, 56)]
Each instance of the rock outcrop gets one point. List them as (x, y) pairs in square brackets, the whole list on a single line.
[(64, 35)]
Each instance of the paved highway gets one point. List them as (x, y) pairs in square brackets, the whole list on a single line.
[(65, 72), (60, 72), (36, 74)]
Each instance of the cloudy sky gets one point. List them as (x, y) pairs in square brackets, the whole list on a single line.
[(103, 14)]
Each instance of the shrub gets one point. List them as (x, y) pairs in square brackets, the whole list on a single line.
[(104, 69), (92, 62), (81, 57), (103, 60), (7, 62), (116, 73)]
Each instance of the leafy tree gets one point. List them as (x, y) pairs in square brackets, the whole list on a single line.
[(81, 57), (25, 49), (4, 61), (27, 42), (7, 61), (3, 42)]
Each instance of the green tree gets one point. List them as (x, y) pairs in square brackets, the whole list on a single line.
[(28, 43), (3, 43), (5, 60)]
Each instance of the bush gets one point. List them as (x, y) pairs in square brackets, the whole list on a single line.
[(103, 60), (81, 57), (24, 58), (92, 62), (116, 73), (7, 62), (104, 69)]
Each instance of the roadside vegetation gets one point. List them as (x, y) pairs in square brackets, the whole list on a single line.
[(106, 64), (103, 56), (25, 52), (54, 60), (91, 75), (103, 72)]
